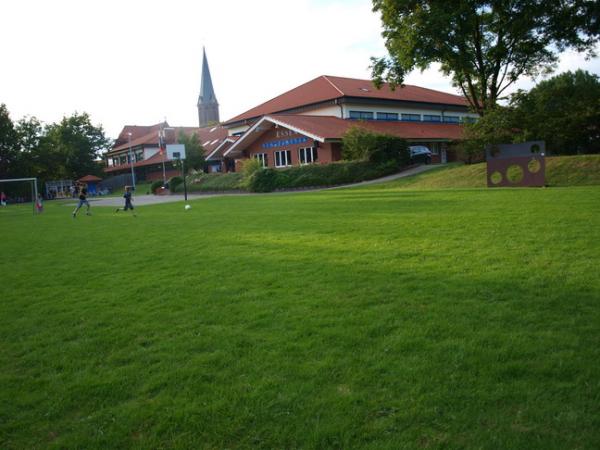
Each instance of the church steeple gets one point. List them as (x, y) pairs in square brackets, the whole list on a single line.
[(208, 107)]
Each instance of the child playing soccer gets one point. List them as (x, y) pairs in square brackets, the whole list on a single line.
[(82, 201), (128, 204), (39, 204)]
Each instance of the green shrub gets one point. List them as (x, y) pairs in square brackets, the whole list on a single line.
[(360, 144), (249, 168), (316, 175), (155, 186), (264, 180), (174, 183)]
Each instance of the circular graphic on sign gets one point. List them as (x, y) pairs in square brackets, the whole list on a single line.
[(534, 166), (496, 177), (514, 174)]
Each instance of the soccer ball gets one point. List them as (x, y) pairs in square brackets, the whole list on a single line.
[(187, 207)]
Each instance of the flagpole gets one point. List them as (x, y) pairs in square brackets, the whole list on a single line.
[(161, 148)]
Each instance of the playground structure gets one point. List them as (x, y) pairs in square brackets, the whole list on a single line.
[(91, 183), (59, 189)]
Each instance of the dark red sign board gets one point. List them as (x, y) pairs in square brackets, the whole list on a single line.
[(516, 165)]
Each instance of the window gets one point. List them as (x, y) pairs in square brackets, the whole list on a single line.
[(431, 118), (283, 158), (263, 158), (307, 155), (435, 148), (387, 116), (361, 115), (122, 159), (139, 156), (411, 117), (451, 119), (115, 161)]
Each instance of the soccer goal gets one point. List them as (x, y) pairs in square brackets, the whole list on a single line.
[(31, 181)]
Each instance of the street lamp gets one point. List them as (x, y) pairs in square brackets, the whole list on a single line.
[(131, 161)]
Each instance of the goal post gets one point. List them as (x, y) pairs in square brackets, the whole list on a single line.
[(34, 188)]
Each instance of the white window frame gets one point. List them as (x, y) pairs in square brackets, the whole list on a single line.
[(263, 158), (283, 155), (312, 151)]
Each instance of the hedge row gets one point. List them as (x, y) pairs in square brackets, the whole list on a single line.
[(316, 175)]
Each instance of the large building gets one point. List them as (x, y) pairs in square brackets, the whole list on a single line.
[(302, 126), (306, 124)]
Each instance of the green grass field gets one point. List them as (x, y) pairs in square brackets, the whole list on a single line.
[(371, 318)]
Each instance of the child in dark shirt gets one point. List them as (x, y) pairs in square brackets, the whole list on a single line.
[(127, 197), (82, 200)]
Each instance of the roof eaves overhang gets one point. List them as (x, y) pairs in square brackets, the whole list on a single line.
[(247, 136), (225, 141)]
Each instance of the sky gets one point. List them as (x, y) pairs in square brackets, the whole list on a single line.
[(132, 62)]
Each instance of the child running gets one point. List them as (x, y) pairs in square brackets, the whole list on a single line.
[(128, 204), (82, 201), (39, 204)]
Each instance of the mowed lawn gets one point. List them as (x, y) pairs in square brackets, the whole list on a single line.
[(363, 318)]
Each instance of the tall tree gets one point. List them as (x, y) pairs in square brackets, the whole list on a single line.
[(485, 46), (564, 111), (78, 143), (9, 144)]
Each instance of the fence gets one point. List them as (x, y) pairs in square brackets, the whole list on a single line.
[(116, 182)]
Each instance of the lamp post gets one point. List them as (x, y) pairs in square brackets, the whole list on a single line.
[(182, 162), (131, 162)]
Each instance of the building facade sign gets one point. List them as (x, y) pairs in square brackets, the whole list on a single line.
[(285, 142)]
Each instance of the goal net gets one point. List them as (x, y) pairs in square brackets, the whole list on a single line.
[(18, 191)]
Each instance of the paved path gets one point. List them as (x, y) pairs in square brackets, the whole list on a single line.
[(154, 199), (405, 173)]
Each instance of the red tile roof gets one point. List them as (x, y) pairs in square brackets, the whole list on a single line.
[(217, 153), (325, 88), (148, 136)]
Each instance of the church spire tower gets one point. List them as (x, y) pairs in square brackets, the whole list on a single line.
[(208, 107)]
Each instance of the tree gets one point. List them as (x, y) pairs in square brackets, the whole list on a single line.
[(360, 144), (564, 111), (9, 144), (484, 45), (77, 143), (194, 152), (500, 125)]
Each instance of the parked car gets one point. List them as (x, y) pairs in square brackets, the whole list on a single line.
[(419, 154)]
